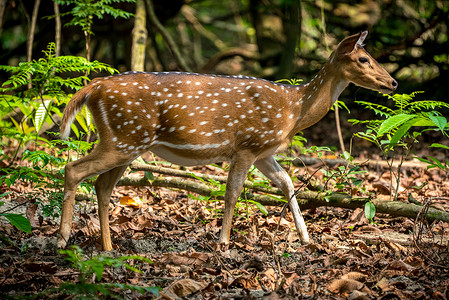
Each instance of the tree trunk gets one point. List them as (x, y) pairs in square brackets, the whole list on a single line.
[(292, 29), (2, 14), (30, 38), (139, 38), (57, 29)]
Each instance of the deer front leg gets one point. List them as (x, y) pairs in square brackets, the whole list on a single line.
[(270, 168), (104, 186), (240, 164)]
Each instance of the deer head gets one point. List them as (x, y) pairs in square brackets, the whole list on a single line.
[(356, 65)]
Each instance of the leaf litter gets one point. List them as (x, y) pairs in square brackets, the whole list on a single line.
[(349, 258)]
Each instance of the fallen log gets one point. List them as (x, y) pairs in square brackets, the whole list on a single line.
[(306, 199)]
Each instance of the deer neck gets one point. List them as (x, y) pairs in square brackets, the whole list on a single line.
[(316, 98)]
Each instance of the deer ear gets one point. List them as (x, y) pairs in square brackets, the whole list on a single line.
[(350, 43)]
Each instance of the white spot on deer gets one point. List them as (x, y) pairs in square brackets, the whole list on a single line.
[(188, 81), (129, 102), (224, 105), (148, 116), (208, 134), (124, 94), (139, 127), (227, 90), (146, 140), (242, 116), (111, 97), (216, 94), (180, 95), (114, 139), (119, 114), (192, 130), (230, 124), (215, 101), (182, 128), (278, 116), (280, 132), (264, 120), (114, 105), (169, 95), (203, 122), (191, 114), (291, 116), (172, 129), (226, 116), (165, 90), (184, 106), (116, 91), (200, 92), (197, 83)]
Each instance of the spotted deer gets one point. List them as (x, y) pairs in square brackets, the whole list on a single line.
[(195, 119)]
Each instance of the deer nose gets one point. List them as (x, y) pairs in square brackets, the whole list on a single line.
[(394, 84)]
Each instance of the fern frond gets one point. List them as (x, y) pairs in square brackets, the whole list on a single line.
[(426, 105), (378, 109)]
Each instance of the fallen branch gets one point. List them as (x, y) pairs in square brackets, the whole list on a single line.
[(306, 199), (303, 161)]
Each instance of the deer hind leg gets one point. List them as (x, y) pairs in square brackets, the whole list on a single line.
[(240, 164), (104, 186), (75, 172), (270, 168)]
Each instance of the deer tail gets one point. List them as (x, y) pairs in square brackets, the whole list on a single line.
[(73, 108)]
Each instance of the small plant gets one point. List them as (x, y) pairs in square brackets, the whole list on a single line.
[(17, 220), (91, 274), (84, 11), (398, 129), (48, 82)]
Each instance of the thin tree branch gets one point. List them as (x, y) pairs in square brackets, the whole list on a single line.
[(167, 37)]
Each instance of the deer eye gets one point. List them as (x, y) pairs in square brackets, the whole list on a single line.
[(363, 59)]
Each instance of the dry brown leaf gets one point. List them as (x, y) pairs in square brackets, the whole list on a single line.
[(195, 259), (346, 286), (354, 276), (400, 265), (268, 279), (181, 288), (30, 214), (383, 284), (130, 201)]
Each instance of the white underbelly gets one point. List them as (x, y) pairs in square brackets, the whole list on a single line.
[(201, 159)]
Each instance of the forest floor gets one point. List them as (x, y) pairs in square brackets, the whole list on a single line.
[(349, 257)]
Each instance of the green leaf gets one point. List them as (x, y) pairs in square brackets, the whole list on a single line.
[(41, 113), (439, 121), (437, 145), (262, 208), (149, 175), (98, 270), (393, 122), (18, 221), (370, 210), (399, 134)]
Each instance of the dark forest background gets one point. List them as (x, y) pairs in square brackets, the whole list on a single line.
[(272, 39)]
